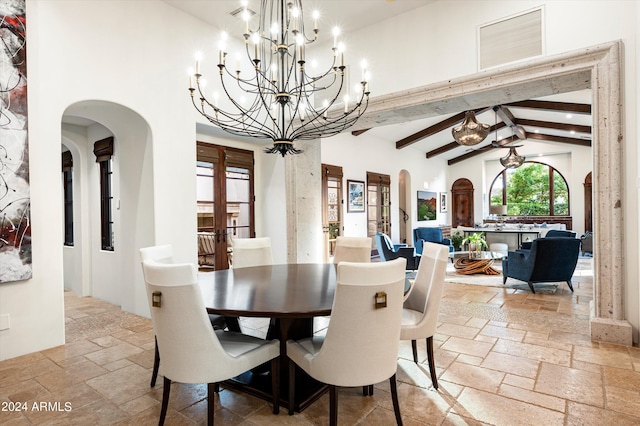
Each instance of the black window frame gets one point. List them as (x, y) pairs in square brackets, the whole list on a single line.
[(103, 150), (67, 188), (551, 171)]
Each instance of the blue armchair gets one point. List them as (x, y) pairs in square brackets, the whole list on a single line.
[(432, 235), (388, 251), (549, 260), (553, 233)]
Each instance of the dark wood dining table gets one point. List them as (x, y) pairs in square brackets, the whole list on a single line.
[(291, 295)]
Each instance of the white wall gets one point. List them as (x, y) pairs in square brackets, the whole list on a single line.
[(140, 63), (358, 155)]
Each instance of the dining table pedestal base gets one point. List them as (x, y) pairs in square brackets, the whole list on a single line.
[(257, 382)]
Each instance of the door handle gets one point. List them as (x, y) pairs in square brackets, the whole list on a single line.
[(217, 236)]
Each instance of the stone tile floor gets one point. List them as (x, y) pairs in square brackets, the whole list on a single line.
[(504, 357)]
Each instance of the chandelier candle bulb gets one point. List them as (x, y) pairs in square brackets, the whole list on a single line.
[(300, 42)]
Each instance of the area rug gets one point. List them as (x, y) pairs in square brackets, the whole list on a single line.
[(584, 269)]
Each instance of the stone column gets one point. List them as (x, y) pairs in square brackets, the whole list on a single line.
[(304, 204)]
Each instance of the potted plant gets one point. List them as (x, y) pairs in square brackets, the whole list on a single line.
[(457, 237), (476, 242)]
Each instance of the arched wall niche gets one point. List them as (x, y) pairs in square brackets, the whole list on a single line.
[(597, 68)]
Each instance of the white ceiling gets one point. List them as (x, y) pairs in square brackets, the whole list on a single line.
[(349, 15), (352, 15)]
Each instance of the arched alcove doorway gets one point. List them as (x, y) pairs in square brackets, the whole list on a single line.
[(114, 276)]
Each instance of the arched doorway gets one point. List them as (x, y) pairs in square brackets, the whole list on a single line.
[(112, 275), (462, 203)]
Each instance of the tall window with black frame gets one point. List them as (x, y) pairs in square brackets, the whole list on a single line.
[(67, 187), (103, 150)]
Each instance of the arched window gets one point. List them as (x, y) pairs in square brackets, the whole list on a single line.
[(533, 189)]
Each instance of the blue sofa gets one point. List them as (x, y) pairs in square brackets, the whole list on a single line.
[(388, 251), (431, 235), (554, 233), (549, 260)]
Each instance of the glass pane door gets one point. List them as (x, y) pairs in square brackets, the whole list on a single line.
[(331, 208), (378, 205), (373, 210), (225, 202), (385, 209), (205, 184)]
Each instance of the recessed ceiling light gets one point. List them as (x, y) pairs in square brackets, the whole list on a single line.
[(573, 132), (569, 116), (536, 131)]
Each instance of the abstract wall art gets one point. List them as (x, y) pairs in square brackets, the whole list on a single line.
[(15, 222)]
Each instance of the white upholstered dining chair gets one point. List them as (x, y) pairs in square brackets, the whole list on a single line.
[(251, 252), (420, 311), (191, 351), (164, 254), (360, 346), (352, 249)]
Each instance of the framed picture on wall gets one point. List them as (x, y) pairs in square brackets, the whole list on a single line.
[(355, 196), (443, 202), (427, 205)]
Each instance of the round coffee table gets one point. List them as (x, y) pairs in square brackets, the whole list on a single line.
[(469, 263)]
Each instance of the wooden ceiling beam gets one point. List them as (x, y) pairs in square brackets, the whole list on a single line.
[(562, 139), (432, 130), (359, 132), (504, 144), (442, 149), (553, 125), (429, 131), (568, 107)]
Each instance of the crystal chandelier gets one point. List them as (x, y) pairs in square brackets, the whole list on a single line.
[(470, 132), (280, 99)]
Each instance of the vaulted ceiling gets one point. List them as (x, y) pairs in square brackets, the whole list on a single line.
[(563, 119)]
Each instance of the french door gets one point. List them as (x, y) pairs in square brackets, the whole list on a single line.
[(378, 204), (225, 197), (331, 208)]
